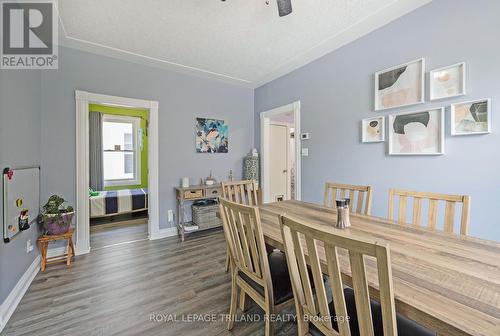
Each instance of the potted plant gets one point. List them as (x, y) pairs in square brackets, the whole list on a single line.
[(56, 217)]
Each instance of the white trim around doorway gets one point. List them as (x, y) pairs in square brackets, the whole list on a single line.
[(264, 148), (83, 99)]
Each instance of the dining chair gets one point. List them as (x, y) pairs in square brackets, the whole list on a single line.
[(242, 192), (433, 200), (362, 195), (255, 273), (351, 312)]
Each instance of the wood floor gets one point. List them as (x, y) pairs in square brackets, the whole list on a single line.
[(104, 235), (114, 291)]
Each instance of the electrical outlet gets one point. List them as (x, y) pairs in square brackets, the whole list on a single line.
[(29, 246), (170, 216)]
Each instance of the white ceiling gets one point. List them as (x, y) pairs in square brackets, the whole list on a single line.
[(240, 41)]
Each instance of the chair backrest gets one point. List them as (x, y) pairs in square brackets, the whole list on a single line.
[(363, 199), (300, 237), (241, 192), (245, 239), (432, 215)]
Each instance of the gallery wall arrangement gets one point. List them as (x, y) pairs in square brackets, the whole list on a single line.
[(423, 132)]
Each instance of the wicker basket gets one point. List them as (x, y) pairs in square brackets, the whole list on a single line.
[(205, 216)]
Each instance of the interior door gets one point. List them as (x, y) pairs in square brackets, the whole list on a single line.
[(278, 162)]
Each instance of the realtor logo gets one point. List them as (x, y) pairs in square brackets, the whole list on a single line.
[(29, 35)]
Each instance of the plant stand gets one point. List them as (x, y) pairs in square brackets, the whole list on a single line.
[(43, 245)]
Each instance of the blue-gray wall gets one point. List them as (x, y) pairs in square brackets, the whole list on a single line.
[(336, 92), (19, 146), (182, 98), (37, 126)]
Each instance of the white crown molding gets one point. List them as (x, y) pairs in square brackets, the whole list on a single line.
[(380, 18), (9, 305)]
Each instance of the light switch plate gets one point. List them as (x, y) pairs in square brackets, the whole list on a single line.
[(305, 152), (170, 216)]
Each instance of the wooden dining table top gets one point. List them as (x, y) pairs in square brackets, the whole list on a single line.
[(446, 282)]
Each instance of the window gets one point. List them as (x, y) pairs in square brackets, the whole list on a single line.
[(121, 156)]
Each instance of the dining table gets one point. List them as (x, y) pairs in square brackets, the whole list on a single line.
[(447, 282)]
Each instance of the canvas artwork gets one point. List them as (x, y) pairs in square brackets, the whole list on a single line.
[(471, 117), (400, 86), (373, 129), (211, 136), (447, 82), (417, 133)]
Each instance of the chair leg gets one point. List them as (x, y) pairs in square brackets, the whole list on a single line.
[(228, 262), (269, 328), (243, 301), (234, 301), (302, 326)]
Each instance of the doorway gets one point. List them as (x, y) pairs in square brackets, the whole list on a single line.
[(118, 188), (83, 101), (280, 148)]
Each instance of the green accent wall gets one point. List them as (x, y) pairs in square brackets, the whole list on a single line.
[(144, 115)]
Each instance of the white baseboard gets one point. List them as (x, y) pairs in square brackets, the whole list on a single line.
[(164, 233), (10, 303)]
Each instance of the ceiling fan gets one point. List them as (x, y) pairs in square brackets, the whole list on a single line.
[(284, 6)]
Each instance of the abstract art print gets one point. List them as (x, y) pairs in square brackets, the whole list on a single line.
[(447, 82), (373, 129), (472, 117), (417, 133), (401, 85), (211, 136)]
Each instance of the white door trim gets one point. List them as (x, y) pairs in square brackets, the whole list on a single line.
[(83, 99), (264, 148)]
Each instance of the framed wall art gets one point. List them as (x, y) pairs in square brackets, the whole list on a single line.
[(401, 85), (211, 136), (373, 130), (447, 82), (417, 133), (473, 117)]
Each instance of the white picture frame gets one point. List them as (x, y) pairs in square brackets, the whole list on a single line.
[(396, 142), (465, 130), (379, 129), (448, 82), (401, 85)]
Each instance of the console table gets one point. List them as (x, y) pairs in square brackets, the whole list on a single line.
[(189, 194)]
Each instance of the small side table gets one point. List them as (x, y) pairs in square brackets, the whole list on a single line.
[(43, 245)]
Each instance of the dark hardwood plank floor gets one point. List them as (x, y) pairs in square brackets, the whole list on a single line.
[(115, 290)]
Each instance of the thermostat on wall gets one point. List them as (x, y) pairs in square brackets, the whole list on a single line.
[(304, 136)]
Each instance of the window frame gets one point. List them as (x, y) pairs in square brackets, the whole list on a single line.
[(135, 121)]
